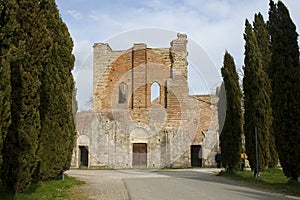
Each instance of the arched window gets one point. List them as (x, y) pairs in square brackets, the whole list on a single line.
[(155, 91), (122, 93)]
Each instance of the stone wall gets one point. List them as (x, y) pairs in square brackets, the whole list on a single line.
[(124, 114)]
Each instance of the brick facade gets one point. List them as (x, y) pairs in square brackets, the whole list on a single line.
[(124, 113)]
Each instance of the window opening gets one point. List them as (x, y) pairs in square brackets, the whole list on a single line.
[(122, 93), (155, 91)]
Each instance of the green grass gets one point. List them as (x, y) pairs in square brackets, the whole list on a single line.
[(55, 189), (273, 179), (94, 168)]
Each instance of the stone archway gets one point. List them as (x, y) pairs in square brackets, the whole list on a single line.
[(139, 133)]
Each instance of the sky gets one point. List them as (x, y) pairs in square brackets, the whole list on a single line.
[(212, 27)]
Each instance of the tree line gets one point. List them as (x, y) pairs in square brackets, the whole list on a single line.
[(36, 90), (270, 98)]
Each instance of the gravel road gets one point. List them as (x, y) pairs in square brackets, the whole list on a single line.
[(163, 184)]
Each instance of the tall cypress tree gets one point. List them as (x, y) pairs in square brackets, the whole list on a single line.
[(58, 129), (7, 27), (256, 102), (230, 138), (264, 45), (221, 106), (263, 40), (285, 80), (19, 151)]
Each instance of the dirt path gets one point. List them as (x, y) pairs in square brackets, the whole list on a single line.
[(100, 185)]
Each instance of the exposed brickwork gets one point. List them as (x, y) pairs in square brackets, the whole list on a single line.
[(124, 114)]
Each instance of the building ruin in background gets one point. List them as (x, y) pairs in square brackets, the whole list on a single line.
[(143, 115)]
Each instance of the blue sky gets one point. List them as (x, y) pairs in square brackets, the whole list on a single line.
[(215, 26)]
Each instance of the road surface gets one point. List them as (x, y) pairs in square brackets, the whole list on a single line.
[(182, 184)]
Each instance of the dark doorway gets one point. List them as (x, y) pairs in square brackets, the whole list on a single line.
[(84, 156), (196, 156), (139, 155)]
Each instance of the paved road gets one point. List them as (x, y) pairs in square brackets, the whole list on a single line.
[(187, 184)]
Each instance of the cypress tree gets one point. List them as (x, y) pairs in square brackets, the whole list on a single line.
[(21, 142), (221, 106), (264, 45), (256, 102), (284, 73), (57, 124), (230, 138), (263, 40), (7, 26)]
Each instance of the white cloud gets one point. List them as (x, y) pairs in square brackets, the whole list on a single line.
[(74, 13), (94, 15), (215, 25), (83, 72), (82, 50), (84, 85)]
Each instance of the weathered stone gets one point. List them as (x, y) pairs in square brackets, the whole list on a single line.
[(124, 114)]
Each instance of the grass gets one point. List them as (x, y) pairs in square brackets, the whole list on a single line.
[(272, 179), (94, 168), (55, 189)]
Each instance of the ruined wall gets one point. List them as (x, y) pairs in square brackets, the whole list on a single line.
[(124, 114)]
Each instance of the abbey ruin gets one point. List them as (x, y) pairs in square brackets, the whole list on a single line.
[(143, 115)]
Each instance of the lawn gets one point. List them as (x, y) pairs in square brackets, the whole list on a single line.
[(273, 179), (55, 189)]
